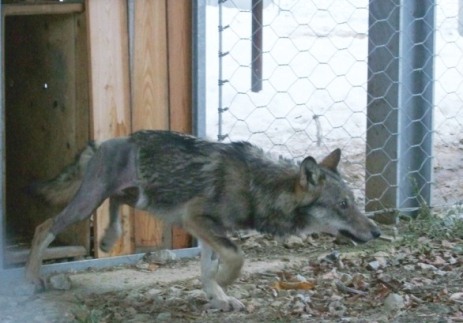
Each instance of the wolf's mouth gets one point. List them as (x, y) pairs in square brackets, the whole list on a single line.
[(351, 236)]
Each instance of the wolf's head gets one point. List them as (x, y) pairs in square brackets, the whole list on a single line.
[(334, 211)]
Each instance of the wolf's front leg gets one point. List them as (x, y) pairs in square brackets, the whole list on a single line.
[(218, 299), (229, 267)]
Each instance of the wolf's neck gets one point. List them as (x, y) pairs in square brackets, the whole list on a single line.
[(274, 198)]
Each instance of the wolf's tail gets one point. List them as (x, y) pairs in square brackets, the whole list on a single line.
[(61, 189)]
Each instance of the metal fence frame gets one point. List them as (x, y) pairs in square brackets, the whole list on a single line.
[(400, 83), (2, 149)]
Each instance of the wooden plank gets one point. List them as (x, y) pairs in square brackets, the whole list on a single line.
[(82, 81), (109, 94), (150, 75), (180, 88), (20, 256), (180, 238), (180, 64), (150, 98), (41, 9)]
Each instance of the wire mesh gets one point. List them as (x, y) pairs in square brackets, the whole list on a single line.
[(316, 94)]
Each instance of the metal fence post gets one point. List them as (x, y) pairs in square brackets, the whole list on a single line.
[(2, 150), (382, 104), (257, 39), (416, 104), (199, 68), (399, 109)]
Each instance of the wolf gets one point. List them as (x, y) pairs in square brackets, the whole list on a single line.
[(208, 188)]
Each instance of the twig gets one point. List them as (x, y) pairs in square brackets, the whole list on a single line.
[(343, 288), (416, 299)]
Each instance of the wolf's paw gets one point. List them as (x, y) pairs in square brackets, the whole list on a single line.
[(34, 285), (105, 246), (225, 305), (109, 239), (33, 278)]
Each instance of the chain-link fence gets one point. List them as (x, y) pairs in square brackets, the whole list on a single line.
[(382, 80)]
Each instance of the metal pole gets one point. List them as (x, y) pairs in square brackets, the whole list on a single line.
[(460, 17), (12, 276), (131, 30), (400, 101), (199, 68), (257, 38), (221, 108), (416, 103), (382, 104), (2, 147)]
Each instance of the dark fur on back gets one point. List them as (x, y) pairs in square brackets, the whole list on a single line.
[(237, 175)]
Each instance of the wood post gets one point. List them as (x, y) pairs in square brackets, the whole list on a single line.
[(179, 28), (109, 94), (160, 91)]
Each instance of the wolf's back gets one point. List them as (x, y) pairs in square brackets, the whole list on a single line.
[(59, 190)]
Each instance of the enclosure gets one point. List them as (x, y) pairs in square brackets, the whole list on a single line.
[(381, 79)]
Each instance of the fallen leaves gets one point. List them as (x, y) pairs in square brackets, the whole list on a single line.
[(409, 279)]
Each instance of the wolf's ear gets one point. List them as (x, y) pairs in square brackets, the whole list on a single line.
[(310, 173), (332, 160)]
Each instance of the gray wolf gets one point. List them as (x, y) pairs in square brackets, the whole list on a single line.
[(209, 189)]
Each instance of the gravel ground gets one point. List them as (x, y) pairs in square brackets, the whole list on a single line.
[(414, 276)]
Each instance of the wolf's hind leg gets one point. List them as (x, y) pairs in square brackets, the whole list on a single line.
[(80, 208), (114, 230), (92, 192), (42, 238)]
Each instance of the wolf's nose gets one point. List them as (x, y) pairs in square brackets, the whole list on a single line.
[(376, 233)]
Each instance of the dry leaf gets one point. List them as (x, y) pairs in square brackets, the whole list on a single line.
[(438, 261), (293, 285), (286, 276), (448, 244), (382, 290), (360, 282)]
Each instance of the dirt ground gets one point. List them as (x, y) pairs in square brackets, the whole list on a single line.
[(414, 274)]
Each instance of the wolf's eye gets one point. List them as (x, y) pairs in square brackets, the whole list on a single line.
[(343, 204)]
